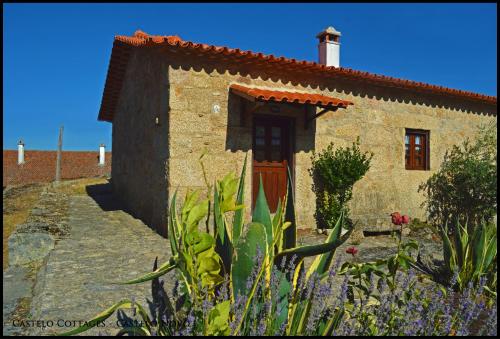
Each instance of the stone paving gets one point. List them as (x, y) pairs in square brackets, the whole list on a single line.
[(106, 245), (18, 283)]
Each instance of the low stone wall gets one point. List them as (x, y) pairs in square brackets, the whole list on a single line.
[(29, 246), (45, 225)]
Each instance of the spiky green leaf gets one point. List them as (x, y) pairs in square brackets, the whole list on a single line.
[(261, 213), (322, 263), (99, 319), (173, 227), (311, 250), (162, 270), (245, 254), (218, 217), (239, 215), (290, 234)]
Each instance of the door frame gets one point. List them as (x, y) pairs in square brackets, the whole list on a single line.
[(290, 123)]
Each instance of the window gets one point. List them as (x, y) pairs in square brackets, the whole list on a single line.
[(416, 149)]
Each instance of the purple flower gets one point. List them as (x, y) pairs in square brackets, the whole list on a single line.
[(283, 262), (291, 264), (261, 328), (282, 328), (490, 328), (188, 329), (343, 293)]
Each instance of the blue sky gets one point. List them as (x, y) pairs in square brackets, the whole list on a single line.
[(56, 55)]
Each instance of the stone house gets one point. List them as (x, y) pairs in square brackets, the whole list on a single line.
[(169, 100)]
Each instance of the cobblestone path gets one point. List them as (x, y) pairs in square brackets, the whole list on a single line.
[(105, 245)]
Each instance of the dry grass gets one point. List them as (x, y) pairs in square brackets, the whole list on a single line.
[(79, 186), (18, 208)]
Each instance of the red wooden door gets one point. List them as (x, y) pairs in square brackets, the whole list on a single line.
[(271, 155)]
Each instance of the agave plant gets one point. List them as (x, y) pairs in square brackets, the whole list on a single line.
[(468, 258), (201, 260)]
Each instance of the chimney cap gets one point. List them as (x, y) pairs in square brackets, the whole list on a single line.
[(21, 142), (101, 145), (328, 30)]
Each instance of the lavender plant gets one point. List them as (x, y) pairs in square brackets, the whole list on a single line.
[(399, 305), (417, 309), (412, 308)]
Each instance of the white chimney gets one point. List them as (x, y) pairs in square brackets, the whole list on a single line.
[(329, 47), (20, 153), (101, 154)]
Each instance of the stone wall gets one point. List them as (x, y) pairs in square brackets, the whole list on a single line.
[(140, 141), (152, 160), (379, 117)]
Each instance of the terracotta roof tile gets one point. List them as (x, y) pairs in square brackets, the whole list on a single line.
[(40, 166), (289, 97), (123, 44)]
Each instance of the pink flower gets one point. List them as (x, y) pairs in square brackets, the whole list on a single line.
[(405, 219), (351, 250), (397, 219)]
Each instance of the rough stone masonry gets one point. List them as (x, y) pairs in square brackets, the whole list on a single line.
[(166, 117)]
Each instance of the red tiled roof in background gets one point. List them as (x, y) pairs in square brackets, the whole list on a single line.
[(122, 46), (40, 166), (290, 97)]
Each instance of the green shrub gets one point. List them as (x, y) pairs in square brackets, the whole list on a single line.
[(464, 188), (334, 172)]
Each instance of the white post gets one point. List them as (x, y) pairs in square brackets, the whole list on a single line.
[(102, 154), (20, 153)]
